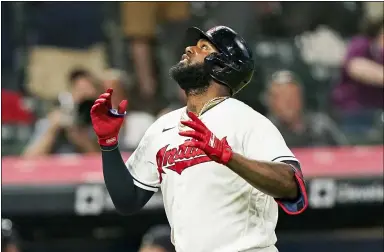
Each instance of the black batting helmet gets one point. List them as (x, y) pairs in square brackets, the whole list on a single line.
[(233, 65)]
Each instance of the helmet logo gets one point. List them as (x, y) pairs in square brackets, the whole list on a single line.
[(215, 28)]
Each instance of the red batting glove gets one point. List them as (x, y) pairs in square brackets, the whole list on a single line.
[(218, 150), (107, 121)]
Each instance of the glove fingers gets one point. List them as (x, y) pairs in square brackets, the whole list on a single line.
[(100, 101), (105, 96), (195, 118), (110, 90), (194, 144), (193, 134), (97, 108), (94, 108), (104, 99), (122, 107), (194, 125)]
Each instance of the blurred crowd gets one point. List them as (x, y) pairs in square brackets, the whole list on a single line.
[(319, 78), (319, 72), (156, 239)]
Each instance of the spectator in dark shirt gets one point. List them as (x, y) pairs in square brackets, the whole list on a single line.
[(300, 128), (67, 128), (362, 77)]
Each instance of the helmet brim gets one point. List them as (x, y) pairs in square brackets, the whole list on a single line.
[(194, 34)]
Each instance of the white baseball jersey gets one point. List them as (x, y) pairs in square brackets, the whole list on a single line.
[(209, 207)]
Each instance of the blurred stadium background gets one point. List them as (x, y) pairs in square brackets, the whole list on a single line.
[(57, 56)]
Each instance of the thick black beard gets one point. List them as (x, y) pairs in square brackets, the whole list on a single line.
[(193, 79)]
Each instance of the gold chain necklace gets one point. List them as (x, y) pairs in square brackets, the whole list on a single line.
[(211, 103), (208, 105)]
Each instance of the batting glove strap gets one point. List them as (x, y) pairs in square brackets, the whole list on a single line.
[(108, 142)]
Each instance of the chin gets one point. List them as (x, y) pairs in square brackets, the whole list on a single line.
[(190, 76)]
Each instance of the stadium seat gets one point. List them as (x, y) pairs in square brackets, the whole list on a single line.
[(17, 122)]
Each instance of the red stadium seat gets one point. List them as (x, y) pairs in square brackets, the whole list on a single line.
[(12, 109)]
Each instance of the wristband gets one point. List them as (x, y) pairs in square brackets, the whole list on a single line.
[(109, 148), (108, 141)]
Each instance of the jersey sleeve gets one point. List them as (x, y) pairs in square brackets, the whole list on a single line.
[(264, 142), (142, 163)]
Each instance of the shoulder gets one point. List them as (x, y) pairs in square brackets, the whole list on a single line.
[(169, 119), (243, 114), (170, 116), (240, 110)]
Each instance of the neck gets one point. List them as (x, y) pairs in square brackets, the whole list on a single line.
[(196, 102)]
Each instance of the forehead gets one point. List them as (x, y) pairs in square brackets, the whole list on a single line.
[(280, 87), (82, 80)]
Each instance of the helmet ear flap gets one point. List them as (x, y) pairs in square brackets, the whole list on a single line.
[(216, 62), (219, 67)]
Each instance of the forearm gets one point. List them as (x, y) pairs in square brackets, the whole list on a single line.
[(126, 197), (43, 146), (274, 179), (366, 71)]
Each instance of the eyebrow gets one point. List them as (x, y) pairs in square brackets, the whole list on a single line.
[(204, 40), (208, 43)]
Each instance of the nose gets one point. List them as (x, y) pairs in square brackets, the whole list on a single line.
[(189, 50)]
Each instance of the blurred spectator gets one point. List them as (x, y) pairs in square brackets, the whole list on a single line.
[(373, 10), (120, 82), (140, 20), (287, 19), (136, 121), (362, 77), (157, 239), (67, 128), (300, 128), (323, 46), (9, 237)]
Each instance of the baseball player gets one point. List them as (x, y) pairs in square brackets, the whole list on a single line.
[(222, 167)]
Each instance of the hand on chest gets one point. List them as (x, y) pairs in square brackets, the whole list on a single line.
[(174, 154)]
